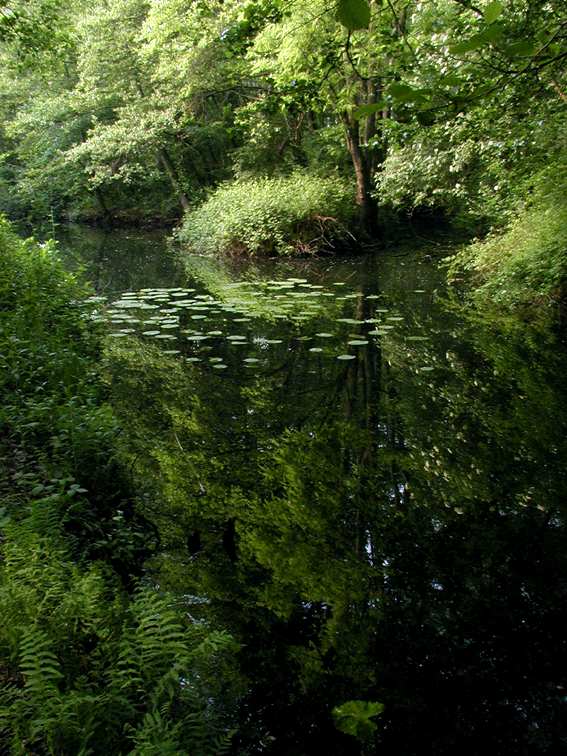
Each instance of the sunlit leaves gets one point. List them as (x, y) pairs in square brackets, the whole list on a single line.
[(355, 717)]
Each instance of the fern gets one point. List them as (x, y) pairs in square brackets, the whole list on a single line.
[(155, 737), (39, 665), (86, 668)]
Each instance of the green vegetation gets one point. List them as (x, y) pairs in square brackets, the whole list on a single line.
[(258, 496), (527, 265), (135, 111), (298, 214), (92, 658)]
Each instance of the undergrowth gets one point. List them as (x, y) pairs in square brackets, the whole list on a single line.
[(526, 264), (94, 658), (296, 214)]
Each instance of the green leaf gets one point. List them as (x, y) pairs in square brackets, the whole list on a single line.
[(491, 34), (354, 14), (354, 717), (451, 80), (523, 48), (493, 11), (405, 93), (366, 110), (477, 40)]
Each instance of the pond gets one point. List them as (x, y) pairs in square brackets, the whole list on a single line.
[(360, 478)]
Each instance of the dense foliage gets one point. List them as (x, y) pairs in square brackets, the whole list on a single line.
[(296, 214), (135, 110), (527, 265), (92, 658), (355, 554)]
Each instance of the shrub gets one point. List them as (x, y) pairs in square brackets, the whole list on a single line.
[(527, 264), (296, 214)]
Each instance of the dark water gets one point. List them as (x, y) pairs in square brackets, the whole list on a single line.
[(361, 479)]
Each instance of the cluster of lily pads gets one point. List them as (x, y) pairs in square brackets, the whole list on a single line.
[(193, 324)]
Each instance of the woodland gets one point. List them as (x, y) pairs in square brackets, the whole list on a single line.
[(365, 558)]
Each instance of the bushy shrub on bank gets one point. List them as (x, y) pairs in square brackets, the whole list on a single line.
[(471, 170), (296, 214), (93, 660), (527, 263)]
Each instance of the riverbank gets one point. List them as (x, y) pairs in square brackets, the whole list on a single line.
[(522, 267), (80, 670)]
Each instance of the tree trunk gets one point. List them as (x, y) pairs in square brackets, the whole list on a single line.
[(167, 163), (363, 170), (173, 177), (103, 206)]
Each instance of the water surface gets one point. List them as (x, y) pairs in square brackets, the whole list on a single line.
[(360, 478)]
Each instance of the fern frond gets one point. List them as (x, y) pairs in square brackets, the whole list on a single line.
[(39, 665)]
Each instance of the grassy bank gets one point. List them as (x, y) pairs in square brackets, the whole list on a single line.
[(523, 267)]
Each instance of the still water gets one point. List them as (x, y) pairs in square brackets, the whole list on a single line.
[(360, 478)]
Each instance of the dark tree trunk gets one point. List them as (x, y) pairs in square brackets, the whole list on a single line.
[(363, 170), (169, 168), (103, 206)]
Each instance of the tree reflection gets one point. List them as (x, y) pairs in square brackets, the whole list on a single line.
[(386, 529)]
